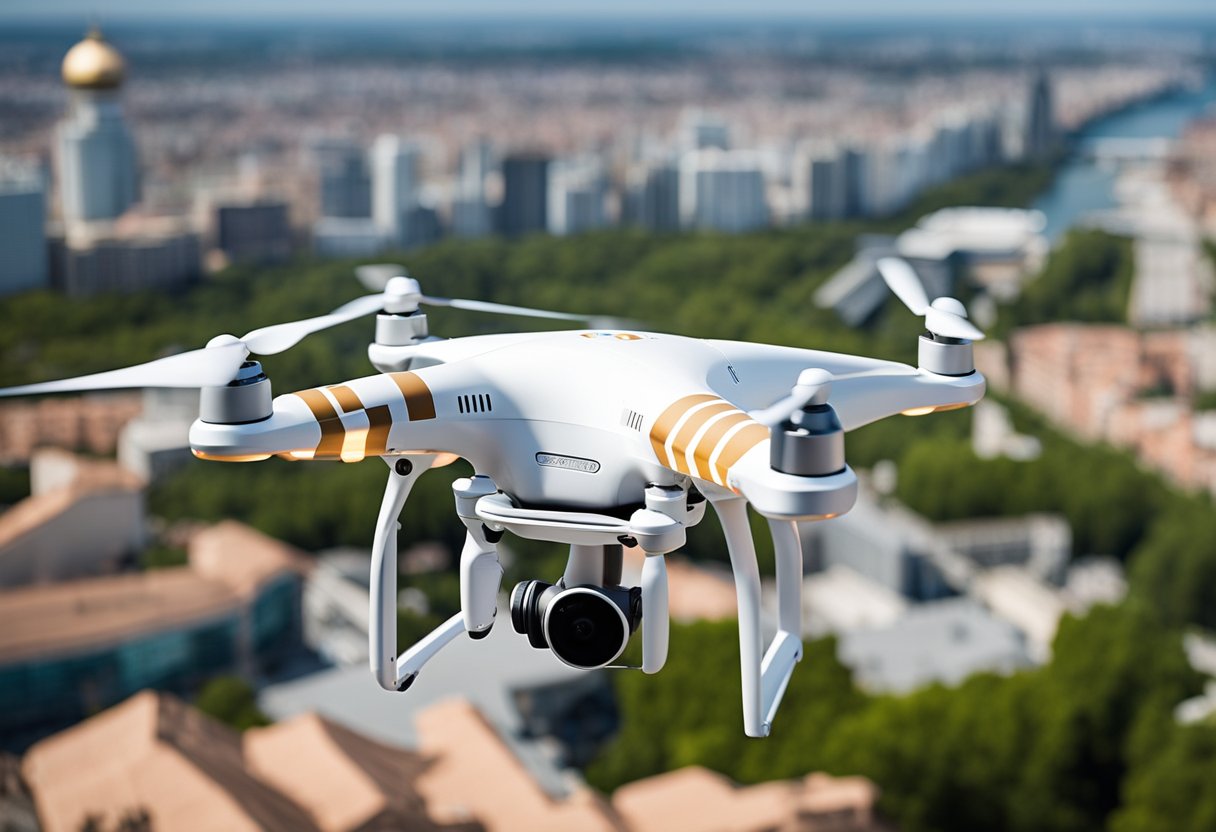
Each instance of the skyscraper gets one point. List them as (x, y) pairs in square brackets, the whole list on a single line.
[(653, 198), (1040, 126), (819, 182), (853, 162), (723, 190), (525, 194), (23, 248), (345, 184), (253, 232), (470, 215), (576, 197), (394, 187), (701, 130), (98, 172)]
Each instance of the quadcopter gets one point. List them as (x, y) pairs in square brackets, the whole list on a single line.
[(593, 438)]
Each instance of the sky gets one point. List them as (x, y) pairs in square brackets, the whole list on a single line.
[(352, 10)]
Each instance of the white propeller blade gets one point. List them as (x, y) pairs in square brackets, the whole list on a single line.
[(502, 309), (375, 276), (941, 319), (402, 294), (903, 281), (207, 367), (812, 384), (945, 316), (270, 340)]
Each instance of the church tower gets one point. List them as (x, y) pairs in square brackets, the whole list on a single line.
[(98, 172)]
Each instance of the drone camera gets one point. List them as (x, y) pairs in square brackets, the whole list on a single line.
[(585, 626)]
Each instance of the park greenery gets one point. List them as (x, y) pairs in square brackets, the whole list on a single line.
[(1087, 741), (232, 701)]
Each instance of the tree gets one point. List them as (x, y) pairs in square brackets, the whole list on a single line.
[(232, 701)]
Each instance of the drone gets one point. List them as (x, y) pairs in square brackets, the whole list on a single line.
[(593, 438)]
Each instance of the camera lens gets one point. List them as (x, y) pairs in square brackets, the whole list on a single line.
[(585, 628)]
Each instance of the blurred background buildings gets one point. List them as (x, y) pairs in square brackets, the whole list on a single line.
[(170, 168)]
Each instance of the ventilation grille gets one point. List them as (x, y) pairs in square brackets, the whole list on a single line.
[(631, 419), (474, 403)]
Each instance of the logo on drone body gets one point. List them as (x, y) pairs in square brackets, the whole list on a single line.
[(619, 336), (569, 463)]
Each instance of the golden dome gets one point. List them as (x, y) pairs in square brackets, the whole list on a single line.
[(93, 64)]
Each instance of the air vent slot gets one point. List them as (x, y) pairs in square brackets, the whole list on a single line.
[(474, 403), (631, 419)]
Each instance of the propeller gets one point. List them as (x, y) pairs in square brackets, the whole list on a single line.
[(813, 387), (402, 294), (216, 364), (212, 366), (944, 316)]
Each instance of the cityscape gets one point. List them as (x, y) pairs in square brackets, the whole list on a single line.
[(1013, 629)]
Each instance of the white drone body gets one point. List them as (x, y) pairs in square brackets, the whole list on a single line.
[(590, 438)]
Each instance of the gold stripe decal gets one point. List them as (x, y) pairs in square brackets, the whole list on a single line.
[(694, 423), (667, 420), (332, 432), (346, 398), (737, 446), (710, 440), (379, 419), (712, 436), (418, 399)]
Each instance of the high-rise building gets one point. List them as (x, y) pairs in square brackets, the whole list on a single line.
[(476, 162), (701, 130), (525, 194), (256, 232), (344, 179), (723, 190), (1040, 125), (98, 172), (654, 201), (394, 186), (853, 162), (23, 246), (471, 216), (576, 197), (818, 180), (155, 253)]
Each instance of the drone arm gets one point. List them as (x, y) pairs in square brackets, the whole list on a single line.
[(382, 618), (865, 399)]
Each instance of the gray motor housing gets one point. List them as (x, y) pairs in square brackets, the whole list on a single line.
[(809, 444)]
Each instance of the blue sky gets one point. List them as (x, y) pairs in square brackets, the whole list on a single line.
[(352, 10)]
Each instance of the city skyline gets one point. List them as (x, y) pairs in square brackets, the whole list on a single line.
[(864, 11)]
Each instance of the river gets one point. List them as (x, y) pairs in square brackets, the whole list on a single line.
[(1083, 185)]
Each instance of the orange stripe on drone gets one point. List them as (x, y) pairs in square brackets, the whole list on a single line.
[(723, 419), (419, 404)]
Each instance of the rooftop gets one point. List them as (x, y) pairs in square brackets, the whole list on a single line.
[(695, 799), (982, 231), (154, 752), (72, 480), (941, 641), (227, 563)]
